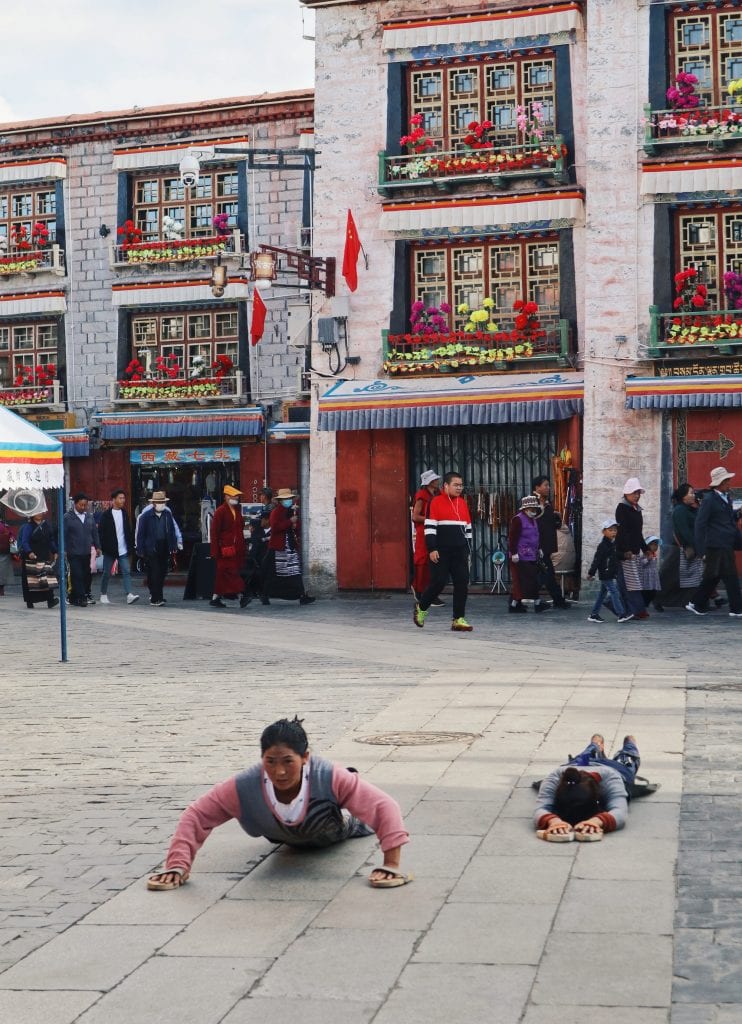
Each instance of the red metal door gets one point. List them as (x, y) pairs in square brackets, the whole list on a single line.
[(372, 514)]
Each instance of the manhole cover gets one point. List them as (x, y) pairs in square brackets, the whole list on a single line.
[(418, 739)]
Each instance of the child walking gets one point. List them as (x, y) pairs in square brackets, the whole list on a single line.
[(649, 567), (605, 563)]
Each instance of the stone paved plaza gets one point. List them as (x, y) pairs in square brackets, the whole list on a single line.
[(99, 757)]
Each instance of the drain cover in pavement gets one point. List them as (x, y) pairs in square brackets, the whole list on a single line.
[(418, 739)]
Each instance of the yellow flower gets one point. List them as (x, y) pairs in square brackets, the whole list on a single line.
[(479, 316), (462, 308), (488, 303)]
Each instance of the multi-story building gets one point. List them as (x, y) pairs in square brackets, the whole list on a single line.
[(502, 153), (111, 330)]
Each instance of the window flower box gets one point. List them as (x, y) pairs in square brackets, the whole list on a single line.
[(715, 126), (181, 250), (47, 396), (447, 170), (471, 351), (201, 390), (31, 261), (672, 333)]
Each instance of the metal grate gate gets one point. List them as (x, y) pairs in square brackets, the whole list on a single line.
[(498, 465)]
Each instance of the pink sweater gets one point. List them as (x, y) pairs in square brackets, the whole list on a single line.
[(364, 801)]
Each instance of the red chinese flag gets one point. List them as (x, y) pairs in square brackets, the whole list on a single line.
[(259, 310), (350, 253)]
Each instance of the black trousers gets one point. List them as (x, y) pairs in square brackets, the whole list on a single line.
[(80, 577), (453, 562), (157, 566), (547, 578), (720, 564)]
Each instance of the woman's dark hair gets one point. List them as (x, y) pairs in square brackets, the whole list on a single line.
[(681, 491), (289, 733), (577, 797), (538, 480), (268, 493)]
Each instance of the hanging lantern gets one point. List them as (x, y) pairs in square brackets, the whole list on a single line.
[(219, 279), (263, 268)]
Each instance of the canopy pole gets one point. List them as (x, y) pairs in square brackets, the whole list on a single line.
[(62, 574)]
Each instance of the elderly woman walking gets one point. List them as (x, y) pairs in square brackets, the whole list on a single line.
[(630, 544)]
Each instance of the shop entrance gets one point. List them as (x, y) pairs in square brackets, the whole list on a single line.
[(498, 465), (188, 475)]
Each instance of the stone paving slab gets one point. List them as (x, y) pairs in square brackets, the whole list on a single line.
[(258, 1009), (173, 990), (356, 964), (605, 907), (242, 928), (87, 957), (620, 969), (476, 993), (503, 933), (44, 1007), (523, 879)]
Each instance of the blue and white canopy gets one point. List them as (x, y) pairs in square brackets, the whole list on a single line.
[(29, 458)]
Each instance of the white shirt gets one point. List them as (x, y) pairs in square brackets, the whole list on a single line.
[(118, 520), (80, 516), (288, 813)]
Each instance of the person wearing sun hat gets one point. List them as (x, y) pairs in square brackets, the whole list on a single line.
[(717, 537), (630, 544), (430, 485), (283, 577), (157, 537), (228, 550), (524, 546)]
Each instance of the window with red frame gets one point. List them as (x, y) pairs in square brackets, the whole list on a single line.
[(156, 196), (501, 270), (22, 208), (451, 95), (186, 339), (28, 353), (706, 41), (710, 240)]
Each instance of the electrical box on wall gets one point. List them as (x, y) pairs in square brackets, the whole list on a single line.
[(298, 317)]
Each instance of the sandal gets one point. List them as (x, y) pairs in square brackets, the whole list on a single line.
[(393, 880), (588, 837), (155, 886), (554, 837), (642, 787)]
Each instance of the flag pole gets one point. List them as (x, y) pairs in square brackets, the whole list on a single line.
[(62, 575)]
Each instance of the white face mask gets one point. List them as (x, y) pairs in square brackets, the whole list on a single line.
[(233, 501), (159, 508)]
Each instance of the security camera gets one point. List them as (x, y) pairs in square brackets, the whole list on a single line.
[(189, 169), (190, 165)]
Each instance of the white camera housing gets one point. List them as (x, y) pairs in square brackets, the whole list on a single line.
[(190, 165)]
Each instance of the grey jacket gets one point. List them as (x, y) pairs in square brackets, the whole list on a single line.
[(80, 537), (612, 792), (715, 525)]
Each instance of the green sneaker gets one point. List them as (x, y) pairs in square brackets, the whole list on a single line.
[(461, 626), (419, 616)]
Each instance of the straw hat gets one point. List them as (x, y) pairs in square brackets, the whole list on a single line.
[(158, 497), (719, 475), (284, 493)]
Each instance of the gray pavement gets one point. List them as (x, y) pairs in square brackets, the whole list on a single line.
[(100, 756)]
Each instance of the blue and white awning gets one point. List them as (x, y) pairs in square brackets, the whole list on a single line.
[(451, 402), (75, 441), (147, 426), (692, 392), (289, 431)]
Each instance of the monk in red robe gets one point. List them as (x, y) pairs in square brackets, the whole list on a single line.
[(228, 550)]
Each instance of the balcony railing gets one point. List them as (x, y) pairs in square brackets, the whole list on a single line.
[(182, 390), (498, 167), (32, 261), (715, 126), (182, 250), (36, 396), (411, 355), (683, 335)]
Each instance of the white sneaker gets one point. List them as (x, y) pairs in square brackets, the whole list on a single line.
[(690, 607), (131, 598), (104, 599)]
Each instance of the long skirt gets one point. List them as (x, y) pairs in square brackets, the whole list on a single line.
[(228, 581), (525, 581), (691, 571), (282, 575), (33, 592)]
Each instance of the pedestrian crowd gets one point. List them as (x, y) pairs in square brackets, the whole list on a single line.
[(268, 566), (261, 558), (705, 537)]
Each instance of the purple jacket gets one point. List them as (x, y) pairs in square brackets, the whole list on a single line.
[(527, 543)]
